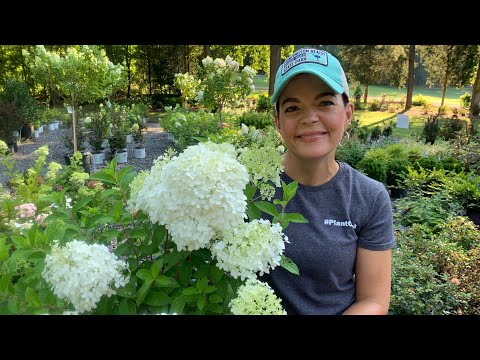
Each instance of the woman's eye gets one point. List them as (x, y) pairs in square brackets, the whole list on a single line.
[(326, 103), (291, 108)]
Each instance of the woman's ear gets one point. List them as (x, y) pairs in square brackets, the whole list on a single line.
[(277, 123), (348, 114)]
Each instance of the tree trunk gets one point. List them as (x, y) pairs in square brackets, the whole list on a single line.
[(149, 63), (444, 85), (206, 51), (109, 52), (365, 96), (127, 62), (74, 125), (275, 62), (411, 76), (187, 59), (220, 124), (475, 96)]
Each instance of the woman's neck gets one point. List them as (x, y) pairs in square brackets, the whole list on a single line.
[(310, 172)]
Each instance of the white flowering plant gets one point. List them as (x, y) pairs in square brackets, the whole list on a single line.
[(184, 237), (220, 83)]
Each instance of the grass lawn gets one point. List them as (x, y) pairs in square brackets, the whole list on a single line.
[(432, 95)]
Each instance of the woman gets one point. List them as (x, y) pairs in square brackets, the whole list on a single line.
[(344, 252)]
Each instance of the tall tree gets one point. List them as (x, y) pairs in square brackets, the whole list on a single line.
[(475, 105), (275, 61), (82, 75), (373, 64), (206, 51), (127, 63), (411, 78)]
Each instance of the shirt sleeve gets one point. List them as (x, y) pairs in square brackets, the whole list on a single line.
[(378, 233)]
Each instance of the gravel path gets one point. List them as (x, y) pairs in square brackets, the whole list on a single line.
[(155, 139)]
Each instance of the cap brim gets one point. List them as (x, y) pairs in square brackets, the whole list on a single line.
[(300, 70)]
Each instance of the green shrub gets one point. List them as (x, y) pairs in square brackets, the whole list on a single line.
[(263, 104), (431, 129), (466, 100), (260, 120), (352, 152), (375, 132), (374, 168), (419, 100), (462, 231), (417, 289), (375, 105), (442, 110), (396, 172), (451, 128)]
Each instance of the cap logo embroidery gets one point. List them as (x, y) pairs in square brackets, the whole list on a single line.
[(305, 56)]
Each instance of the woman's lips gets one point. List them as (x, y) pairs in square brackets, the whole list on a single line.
[(311, 136)]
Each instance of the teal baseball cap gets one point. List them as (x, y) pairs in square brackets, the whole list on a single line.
[(311, 61)]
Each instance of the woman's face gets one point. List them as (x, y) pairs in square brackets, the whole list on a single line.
[(311, 118)]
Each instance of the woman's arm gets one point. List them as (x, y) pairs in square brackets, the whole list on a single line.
[(373, 272)]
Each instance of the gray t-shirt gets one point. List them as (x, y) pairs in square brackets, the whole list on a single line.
[(348, 211)]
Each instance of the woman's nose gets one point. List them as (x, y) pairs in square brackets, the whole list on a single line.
[(311, 116)]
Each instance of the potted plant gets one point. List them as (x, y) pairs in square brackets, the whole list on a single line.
[(80, 144), (139, 149), (118, 144), (97, 127)]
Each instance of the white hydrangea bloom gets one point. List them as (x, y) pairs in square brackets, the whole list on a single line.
[(199, 96), (281, 149), (219, 63), (208, 60), (235, 65), (228, 60), (81, 273), (197, 194), (250, 72), (256, 298), (135, 186), (249, 248), (264, 165)]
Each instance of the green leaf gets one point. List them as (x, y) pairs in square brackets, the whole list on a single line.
[(145, 275), (250, 191), (173, 258), (32, 298), (185, 273), (126, 180), (143, 291), (216, 274), (159, 233), (99, 219), (178, 304), (202, 284), (4, 249), (155, 269), (214, 298), (296, 218), (78, 205), (105, 305), (128, 291), (122, 249), (165, 281), (157, 299), (287, 193), (114, 194), (20, 241), (127, 307), (201, 302), (117, 211), (209, 289), (55, 230), (137, 234), (108, 235), (279, 202), (190, 291), (292, 190), (289, 265), (215, 308), (266, 207), (253, 212), (103, 176)]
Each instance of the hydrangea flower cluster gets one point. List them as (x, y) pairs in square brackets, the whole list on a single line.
[(197, 195), (26, 210), (256, 298), (250, 248), (81, 273)]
